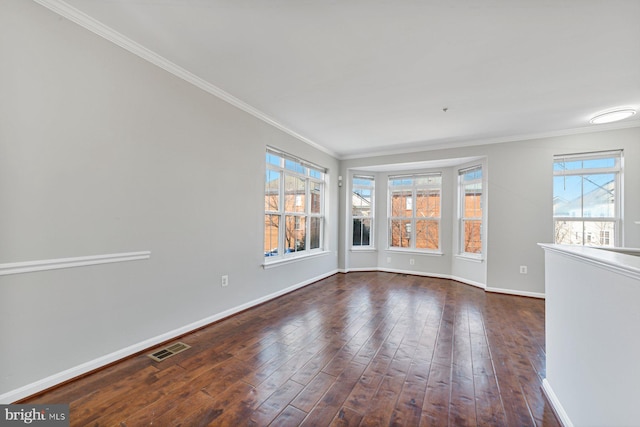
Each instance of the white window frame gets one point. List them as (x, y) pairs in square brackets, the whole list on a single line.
[(411, 228), (310, 173), (371, 217), (462, 219), (616, 170)]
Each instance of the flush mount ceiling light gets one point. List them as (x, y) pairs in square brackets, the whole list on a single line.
[(612, 116)]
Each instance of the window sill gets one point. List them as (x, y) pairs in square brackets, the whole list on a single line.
[(364, 249), (471, 258), (415, 251), (289, 260)]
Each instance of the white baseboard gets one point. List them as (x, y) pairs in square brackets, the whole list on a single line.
[(469, 282), (351, 270), (555, 404), (518, 293), (450, 277), (76, 371), (424, 274), (415, 273)]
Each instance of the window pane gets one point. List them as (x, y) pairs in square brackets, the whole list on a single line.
[(568, 232), (272, 191), (399, 204), (561, 165), (608, 162), (361, 232), (472, 201), (472, 175), (573, 163), (588, 233), (427, 234), (428, 180), (274, 159), (294, 194), (599, 233), (316, 196), (401, 233), (271, 235), (295, 166), (314, 173), (363, 181), (295, 233), (361, 202), (599, 195), (567, 196), (470, 191), (314, 232), (428, 204), (472, 236), (403, 181)]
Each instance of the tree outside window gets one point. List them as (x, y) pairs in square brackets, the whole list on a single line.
[(414, 211), (470, 190), (294, 218)]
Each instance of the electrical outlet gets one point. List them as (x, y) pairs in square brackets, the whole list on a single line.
[(523, 269), (412, 261), (224, 280)]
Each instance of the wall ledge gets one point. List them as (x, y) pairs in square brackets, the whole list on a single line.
[(616, 260)]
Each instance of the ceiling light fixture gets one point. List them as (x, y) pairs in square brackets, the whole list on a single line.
[(612, 116)]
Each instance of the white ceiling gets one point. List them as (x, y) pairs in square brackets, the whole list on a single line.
[(359, 77)]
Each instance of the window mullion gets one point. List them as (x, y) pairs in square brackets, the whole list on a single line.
[(414, 208), (282, 225), (307, 216)]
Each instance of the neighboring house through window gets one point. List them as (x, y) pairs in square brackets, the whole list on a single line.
[(470, 190), (294, 206), (414, 211), (362, 208), (587, 199)]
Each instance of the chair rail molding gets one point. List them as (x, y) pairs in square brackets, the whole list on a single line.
[(58, 263)]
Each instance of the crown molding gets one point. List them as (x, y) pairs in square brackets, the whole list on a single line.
[(442, 145), (74, 15)]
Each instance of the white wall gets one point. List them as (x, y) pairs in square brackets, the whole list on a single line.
[(102, 152), (519, 201), (592, 335)]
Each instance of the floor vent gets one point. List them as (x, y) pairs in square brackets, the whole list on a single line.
[(167, 352)]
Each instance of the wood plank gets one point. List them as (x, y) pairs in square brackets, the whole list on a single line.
[(435, 408), (276, 403), (289, 417), (408, 410), (313, 392), (384, 401), (347, 417), (331, 402)]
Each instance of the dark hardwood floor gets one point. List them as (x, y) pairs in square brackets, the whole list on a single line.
[(354, 349)]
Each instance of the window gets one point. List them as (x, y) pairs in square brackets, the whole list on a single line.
[(587, 198), (470, 190), (294, 206), (362, 189), (414, 211)]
